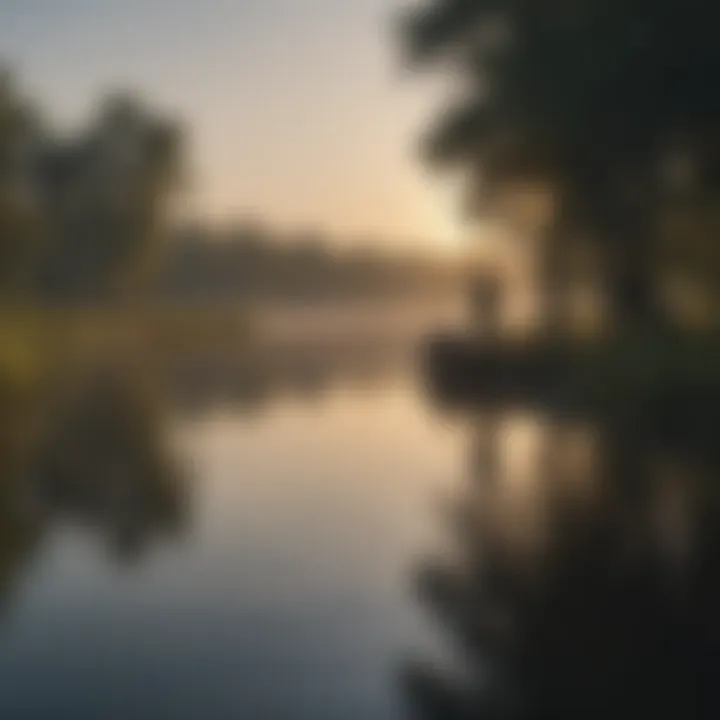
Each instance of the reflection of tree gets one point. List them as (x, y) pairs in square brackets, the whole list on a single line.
[(19, 532), (258, 376), (101, 464), (20, 529), (96, 461), (611, 614)]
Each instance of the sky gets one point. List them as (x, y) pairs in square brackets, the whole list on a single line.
[(296, 111)]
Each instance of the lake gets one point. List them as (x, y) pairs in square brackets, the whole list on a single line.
[(310, 535), (284, 589)]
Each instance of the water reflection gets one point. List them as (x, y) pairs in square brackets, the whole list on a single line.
[(251, 381), (287, 596), (91, 451), (583, 579), (580, 577), (88, 453)]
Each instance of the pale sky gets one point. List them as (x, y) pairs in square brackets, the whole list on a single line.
[(298, 110)]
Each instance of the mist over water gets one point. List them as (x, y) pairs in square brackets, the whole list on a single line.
[(274, 445)]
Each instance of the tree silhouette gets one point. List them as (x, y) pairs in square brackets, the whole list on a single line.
[(20, 227), (105, 194), (609, 611), (609, 106), (92, 457)]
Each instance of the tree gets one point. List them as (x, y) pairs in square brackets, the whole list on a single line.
[(105, 195), (600, 102), (19, 217)]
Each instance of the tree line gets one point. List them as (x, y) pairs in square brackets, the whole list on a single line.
[(81, 213), (609, 111), (88, 216), (247, 261)]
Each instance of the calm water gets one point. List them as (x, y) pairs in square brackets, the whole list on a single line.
[(305, 536), (276, 584)]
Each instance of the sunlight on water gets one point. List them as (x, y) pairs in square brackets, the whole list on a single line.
[(288, 595)]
